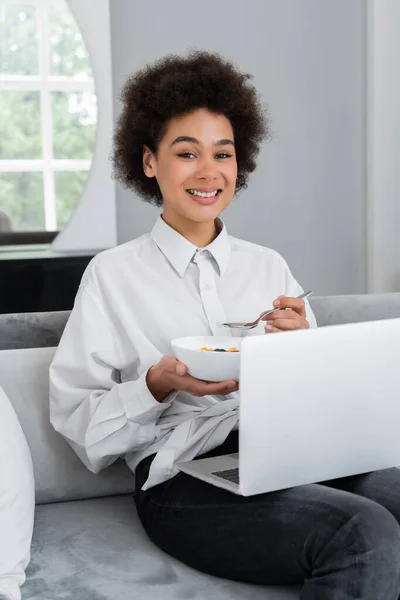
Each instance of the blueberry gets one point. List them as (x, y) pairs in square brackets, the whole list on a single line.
[(219, 350)]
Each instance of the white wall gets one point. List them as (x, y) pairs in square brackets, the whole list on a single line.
[(93, 222), (384, 145), (308, 197)]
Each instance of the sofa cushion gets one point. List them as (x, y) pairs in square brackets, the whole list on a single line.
[(59, 473), (333, 310), (17, 502), (97, 550), (32, 330)]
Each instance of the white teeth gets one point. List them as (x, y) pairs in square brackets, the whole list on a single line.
[(203, 194)]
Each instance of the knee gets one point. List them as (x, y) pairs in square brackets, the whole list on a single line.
[(362, 550), (373, 530)]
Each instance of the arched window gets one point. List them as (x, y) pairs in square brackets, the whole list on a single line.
[(48, 115)]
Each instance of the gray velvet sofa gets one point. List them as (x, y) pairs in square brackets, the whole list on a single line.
[(88, 543)]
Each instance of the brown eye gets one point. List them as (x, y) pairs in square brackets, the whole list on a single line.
[(186, 155)]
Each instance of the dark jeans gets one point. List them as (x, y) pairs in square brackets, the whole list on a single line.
[(340, 538)]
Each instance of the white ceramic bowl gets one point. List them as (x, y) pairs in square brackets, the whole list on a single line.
[(210, 366)]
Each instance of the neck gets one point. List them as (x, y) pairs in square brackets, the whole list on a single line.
[(199, 234)]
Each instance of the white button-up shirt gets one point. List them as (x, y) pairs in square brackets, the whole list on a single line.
[(132, 301)]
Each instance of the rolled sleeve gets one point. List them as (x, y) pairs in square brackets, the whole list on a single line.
[(100, 418)]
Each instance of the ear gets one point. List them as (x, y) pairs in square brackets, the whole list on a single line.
[(149, 162)]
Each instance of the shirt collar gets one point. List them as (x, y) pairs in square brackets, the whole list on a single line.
[(179, 251)]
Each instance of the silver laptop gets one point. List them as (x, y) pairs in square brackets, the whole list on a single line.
[(314, 405)]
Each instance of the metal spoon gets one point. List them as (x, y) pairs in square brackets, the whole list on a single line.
[(253, 324)]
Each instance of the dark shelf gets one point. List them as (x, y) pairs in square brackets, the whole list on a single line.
[(8, 238), (39, 280)]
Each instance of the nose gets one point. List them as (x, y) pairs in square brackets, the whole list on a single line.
[(207, 170)]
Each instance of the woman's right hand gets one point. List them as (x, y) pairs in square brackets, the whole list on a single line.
[(170, 374)]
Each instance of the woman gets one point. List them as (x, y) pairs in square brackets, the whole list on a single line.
[(187, 140)]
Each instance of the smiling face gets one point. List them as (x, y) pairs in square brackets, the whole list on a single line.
[(195, 167)]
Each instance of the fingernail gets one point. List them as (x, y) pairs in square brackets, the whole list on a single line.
[(231, 386), (269, 322), (276, 303), (268, 327)]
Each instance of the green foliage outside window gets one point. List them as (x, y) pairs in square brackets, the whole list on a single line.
[(74, 114)]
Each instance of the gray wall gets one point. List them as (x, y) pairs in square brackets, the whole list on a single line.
[(306, 198)]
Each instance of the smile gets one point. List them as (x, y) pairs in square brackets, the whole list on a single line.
[(204, 198), (203, 194)]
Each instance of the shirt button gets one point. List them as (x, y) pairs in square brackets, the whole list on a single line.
[(208, 287)]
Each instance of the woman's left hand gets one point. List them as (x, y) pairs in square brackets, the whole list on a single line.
[(294, 317)]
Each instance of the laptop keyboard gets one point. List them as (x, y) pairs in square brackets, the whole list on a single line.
[(228, 474)]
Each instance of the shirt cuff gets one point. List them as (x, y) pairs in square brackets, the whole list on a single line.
[(141, 406)]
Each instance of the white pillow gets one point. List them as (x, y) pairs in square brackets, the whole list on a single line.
[(17, 502)]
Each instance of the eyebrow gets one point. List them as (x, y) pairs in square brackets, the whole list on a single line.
[(192, 140)]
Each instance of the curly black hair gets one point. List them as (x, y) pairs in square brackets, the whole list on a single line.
[(175, 86)]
